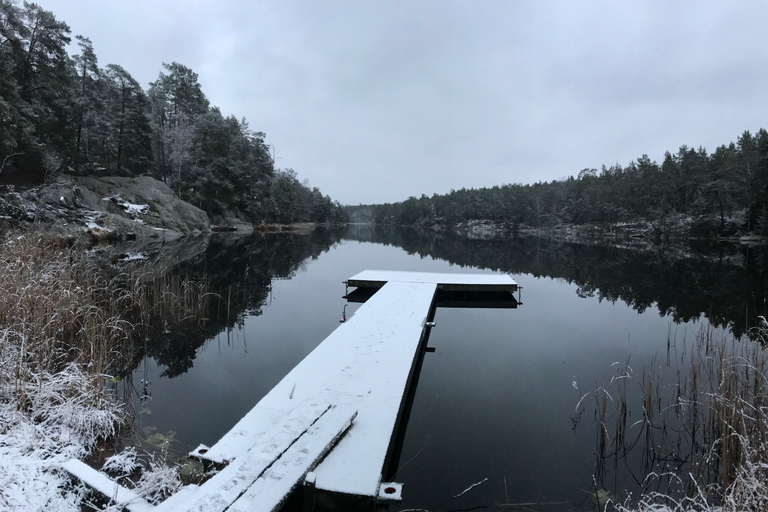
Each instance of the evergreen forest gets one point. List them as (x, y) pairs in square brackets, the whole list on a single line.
[(66, 113), (729, 185)]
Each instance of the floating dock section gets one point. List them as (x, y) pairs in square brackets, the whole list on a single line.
[(330, 423)]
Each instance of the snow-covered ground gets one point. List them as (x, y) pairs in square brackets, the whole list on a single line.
[(59, 422), (55, 402), (63, 420)]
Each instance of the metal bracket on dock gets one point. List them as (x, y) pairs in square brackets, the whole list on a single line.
[(390, 491)]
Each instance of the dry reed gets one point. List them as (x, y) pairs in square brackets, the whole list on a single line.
[(701, 440), (60, 308)]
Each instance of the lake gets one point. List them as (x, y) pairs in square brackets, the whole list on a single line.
[(496, 403)]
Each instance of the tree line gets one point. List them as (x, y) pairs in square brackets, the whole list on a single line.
[(61, 112), (730, 183), (727, 284)]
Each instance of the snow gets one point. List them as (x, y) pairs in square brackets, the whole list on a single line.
[(102, 483), (485, 280), (123, 463), (277, 482), (133, 256), (251, 429), (390, 491), (267, 471), (91, 219), (159, 481), (66, 426), (174, 502), (132, 209), (364, 364)]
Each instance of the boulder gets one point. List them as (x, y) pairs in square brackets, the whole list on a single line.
[(120, 208)]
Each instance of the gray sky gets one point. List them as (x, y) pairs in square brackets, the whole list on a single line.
[(378, 101)]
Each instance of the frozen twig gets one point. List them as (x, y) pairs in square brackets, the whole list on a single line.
[(470, 487)]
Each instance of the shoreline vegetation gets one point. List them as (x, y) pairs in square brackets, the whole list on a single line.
[(698, 435), (65, 117), (69, 330), (692, 195)]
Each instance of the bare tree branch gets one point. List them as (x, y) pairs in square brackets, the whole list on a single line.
[(6, 160)]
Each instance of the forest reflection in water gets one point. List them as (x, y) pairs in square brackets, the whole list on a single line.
[(725, 283), (496, 399)]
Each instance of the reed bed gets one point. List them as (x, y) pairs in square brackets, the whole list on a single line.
[(67, 326), (59, 308), (692, 433)]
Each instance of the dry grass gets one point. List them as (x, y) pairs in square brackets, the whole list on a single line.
[(66, 326), (60, 309), (56, 310), (699, 442)]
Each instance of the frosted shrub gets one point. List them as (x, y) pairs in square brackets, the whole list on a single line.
[(59, 425), (64, 327), (159, 482), (123, 463)]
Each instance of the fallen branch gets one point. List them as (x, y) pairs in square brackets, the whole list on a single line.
[(6, 159)]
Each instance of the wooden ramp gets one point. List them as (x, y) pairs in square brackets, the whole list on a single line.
[(359, 376)]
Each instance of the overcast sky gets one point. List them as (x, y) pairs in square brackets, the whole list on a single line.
[(378, 101)]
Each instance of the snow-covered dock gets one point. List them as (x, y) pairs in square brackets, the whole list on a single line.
[(359, 376), (447, 282)]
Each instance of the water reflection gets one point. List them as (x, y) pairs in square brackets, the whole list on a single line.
[(727, 284), (496, 400), (239, 272)]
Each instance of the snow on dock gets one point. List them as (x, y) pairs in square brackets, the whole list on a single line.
[(364, 364), (262, 477), (106, 486), (447, 282), (334, 414)]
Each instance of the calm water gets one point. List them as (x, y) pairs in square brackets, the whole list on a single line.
[(496, 402)]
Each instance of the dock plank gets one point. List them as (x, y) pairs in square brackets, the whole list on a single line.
[(231, 482), (256, 426), (270, 491), (365, 363), (99, 481)]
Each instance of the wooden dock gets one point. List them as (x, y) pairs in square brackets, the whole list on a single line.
[(330, 421)]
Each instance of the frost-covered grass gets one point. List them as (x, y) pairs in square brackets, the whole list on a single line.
[(66, 327), (44, 422), (699, 441)]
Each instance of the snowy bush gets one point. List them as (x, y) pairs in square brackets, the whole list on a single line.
[(123, 463), (64, 325), (59, 425), (159, 482)]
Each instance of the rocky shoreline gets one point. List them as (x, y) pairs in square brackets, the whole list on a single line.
[(106, 208), (640, 234)]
